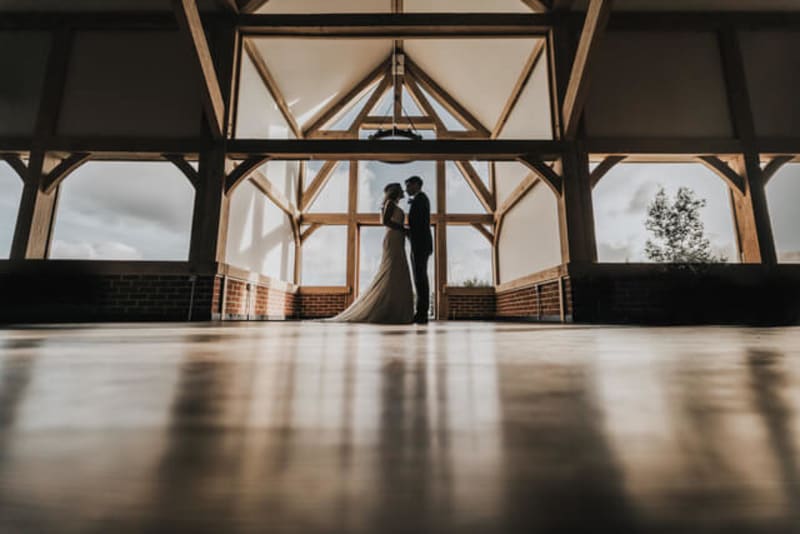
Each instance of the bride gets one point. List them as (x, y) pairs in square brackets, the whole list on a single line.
[(389, 298)]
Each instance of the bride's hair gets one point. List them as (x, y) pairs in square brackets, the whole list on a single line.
[(392, 192)]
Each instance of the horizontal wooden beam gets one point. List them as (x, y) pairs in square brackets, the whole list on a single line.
[(374, 219), (413, 122), (724, 171), (359, 149), (663, 145), (399, 26)]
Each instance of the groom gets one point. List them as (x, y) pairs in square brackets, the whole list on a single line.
[(419, 233)]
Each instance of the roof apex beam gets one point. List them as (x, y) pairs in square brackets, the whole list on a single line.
[(594, 26)]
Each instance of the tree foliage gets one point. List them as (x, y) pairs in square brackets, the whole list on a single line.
[(678, 234)]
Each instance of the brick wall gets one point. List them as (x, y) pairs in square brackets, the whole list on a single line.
[(254, 300), (313, 303), (470, 303), (540, 300)]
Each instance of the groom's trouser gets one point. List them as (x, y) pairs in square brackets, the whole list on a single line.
[(419, 261)]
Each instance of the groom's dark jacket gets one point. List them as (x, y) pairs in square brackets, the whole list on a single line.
[(419, 224)]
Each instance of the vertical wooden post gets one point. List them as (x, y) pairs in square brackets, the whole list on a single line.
[(211, 203), (352, 232), (575, 211), (37, 209), (440, 280), (750, 211)]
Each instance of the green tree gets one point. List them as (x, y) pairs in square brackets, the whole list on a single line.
[(678, 234)]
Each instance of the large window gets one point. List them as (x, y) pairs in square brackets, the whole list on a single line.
[(469, 258), (124, 211), (325, 257), (333, 197), (621, 201), (373, 176), (10, 192), (783, 195)]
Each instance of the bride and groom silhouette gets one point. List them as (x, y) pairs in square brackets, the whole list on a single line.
[(389, 299)]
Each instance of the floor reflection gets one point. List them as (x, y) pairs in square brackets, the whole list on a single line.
[(460, 427)]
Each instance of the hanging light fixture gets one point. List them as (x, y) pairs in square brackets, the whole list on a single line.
[(395, 132)]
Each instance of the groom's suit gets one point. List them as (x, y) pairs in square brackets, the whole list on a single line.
[(419, 233)]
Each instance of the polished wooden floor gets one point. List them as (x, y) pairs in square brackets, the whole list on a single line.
[(454, 427)]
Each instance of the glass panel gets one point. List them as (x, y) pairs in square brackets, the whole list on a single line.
[(460, 197), (10, 194), (783, 195), (373, 176), (410, 107), (124, 211), (325, 257), (450, 122), (469, 257), (385, 104), (622, 198), (333, 197), (346, 120)]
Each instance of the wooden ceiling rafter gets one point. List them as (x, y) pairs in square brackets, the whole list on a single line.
[(519, 87), (724, 171), (272, 86), (544, 171), (243, 170)]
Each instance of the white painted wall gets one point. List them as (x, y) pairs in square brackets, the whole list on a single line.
[(23, 60), (259, 235), (529, 241), (531, 117), (129, 84), (667, 84), (772, 67)]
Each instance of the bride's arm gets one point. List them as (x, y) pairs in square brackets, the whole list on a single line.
[(388, 211)]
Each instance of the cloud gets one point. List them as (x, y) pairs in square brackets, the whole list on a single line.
[(615, 253), (107, 250), (641, 198)]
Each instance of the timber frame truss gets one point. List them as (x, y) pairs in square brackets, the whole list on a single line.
[(566, 40)]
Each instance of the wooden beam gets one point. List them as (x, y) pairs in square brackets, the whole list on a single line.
[(603, 167), (543, 171), (597, 16), (374, 219), (444, 98), (484, 232), (519, 87), (337, 106), (416, 122), (185, 167), (440, 244), (353, 235), (243, 171), (360, 149), (308, 231), (16, 163), (272, 86), (539, 6), (774, 166), (422, 101), (399, 26), (476, 184), (724, 171), (663, 145), (263, 184), (561, 5), (316, 185), (251, 6), (53, 178), (376, 95), (191, 26), (519, 192), (230, 6)]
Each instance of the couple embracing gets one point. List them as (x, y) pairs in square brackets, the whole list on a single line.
[(389, 299)]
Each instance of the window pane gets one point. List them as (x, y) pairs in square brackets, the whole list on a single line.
[(10, 193), (373, 176), (621, 201), (460, 198), (469, 257), (783, 195), (325, 257), (333, 197), (124, 211)]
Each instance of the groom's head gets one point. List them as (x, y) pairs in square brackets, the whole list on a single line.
[(413, 185)]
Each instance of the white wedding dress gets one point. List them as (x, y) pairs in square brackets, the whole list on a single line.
[(389, 299)]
